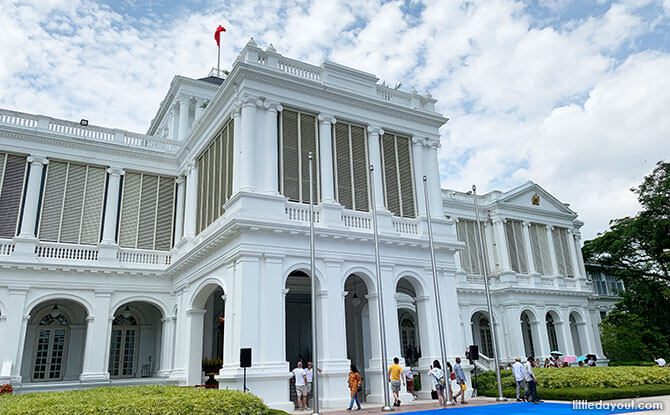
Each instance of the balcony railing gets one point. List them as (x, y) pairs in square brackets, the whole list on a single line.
[(136, 256), (71, 129), (66, 252), (357, 220), (6, 247), (300, 212)]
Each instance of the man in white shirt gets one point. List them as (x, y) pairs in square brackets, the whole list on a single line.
[(300, 386), (520, 378), (531, 395), (660, 362), (309, 375)]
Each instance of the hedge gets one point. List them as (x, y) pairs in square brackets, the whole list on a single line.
[(135, 400), (588, 383)]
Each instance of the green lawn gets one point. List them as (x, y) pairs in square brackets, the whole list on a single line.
[(586, 383), (136, 400)]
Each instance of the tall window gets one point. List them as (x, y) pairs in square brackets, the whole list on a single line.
[(124, 343), (350, 158), (485, 336), (562, 250), (12, 178), (466, 231), (515, 246), (215, 177), (49, 360), (551, 333), (298, 137), (147, 211), (539, 245), (398, 175), (72, 203)]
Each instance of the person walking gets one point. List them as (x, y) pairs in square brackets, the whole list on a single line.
[(531, 395), (396, 379), (660, 362), (439, 382), (520, 378), (460, 379), (309, 374), (354, 383), (300, 386), (409, 379), (451, 384)]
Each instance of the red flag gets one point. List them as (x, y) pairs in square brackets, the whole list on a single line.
[(217, 34)]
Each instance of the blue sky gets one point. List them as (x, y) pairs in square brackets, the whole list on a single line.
[(570, 94)]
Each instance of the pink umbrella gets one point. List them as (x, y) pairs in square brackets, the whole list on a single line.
[(570, 359)]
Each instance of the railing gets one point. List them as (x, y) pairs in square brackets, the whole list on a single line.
[(485, 363), (393, 95), (66, 251), (300, 212), (548, 281), (406, 226), (6, 247), (570, 283), (523, 279), (134, 256), (90, 132), (299, 69), (357, 220)]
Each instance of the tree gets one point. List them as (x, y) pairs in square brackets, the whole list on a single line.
[(637, 251)]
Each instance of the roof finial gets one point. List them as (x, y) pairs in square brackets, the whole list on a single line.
[(251, 41), (271, 48)]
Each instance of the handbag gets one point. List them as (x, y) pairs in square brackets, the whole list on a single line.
[(463, 386), (433, 394)]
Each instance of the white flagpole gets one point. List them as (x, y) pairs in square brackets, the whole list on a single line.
[(315, 358), (218, 60)]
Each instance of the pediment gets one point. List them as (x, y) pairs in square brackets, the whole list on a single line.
[(533, 196)]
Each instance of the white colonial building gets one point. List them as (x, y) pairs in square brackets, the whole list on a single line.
[(129, 258)]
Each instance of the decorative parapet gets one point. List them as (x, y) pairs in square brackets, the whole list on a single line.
[(335, 75), (69, 129)]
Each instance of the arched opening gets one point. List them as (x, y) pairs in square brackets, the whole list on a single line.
[(135, 342), (208, 316), (298, 307), (408, 319), (481, 333), (55, 341), (552, 335), (575, 322), (527, 322), (357, 319)]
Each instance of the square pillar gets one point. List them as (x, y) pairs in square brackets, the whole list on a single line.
[(191, 201), (419, 172), (271, 148), (11, 347), (374, 149), (179, 214), (326, 123), (98, 333)]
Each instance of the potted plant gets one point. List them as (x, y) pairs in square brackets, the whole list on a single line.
[(211, 368)]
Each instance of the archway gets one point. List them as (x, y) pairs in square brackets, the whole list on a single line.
[(481, 333), (527, 328), (358, 326), (298, 308), (54, 342), (552, 335), (135, 341), (575, 323), (208, 316), (408, 320)]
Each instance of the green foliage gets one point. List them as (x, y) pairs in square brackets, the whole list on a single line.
[(135, 400), (628, 337), (588, 394), (620, 363)]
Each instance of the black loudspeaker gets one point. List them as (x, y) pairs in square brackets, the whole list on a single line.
[(474, 352), (245, 357)]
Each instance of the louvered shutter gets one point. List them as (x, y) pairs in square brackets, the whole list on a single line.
[(201, 202), (343, 165), (3, 158), (544, 249), (405, 175), (130, 204), (558, 250), (220, 176), (461, 235), (360, 168), (147, 217), (74, 201), (52, 202), (520, 247), (535, 248), (230, 133), (13, 179), (93, 201), (165, 213), (290, 170), (308, 143), (511, 247), (390, 174), (473, 247), (567, 257)]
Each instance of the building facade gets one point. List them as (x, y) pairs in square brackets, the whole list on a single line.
[(129, 258)]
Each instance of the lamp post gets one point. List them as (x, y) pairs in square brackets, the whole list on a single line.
[(315, 359), (380, 302), (438, 302), (494, 339)]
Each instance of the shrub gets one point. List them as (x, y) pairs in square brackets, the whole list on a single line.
[(6, 389), (135, 400), (586, 382)]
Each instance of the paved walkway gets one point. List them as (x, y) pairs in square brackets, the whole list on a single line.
[(412, 406)]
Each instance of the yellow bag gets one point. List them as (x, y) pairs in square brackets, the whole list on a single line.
[(463, 386)]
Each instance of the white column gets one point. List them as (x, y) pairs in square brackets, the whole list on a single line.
[(428, 329), (199, 102), (529, 249), (332, 309), (566, 334), (11, 346), (184, 102), (237, 142), (271, 147), (541, 340), (326, 123), (112, 205), (552, 252), (179, 214), (247, 143), (573, 254), (195, 317), (166, 346), (419, 172), (434, 187), (98, 334), (272, 305), (375, 154), (580, 256), (32, 198), (516, 347), (190, 208), (501, 241)]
